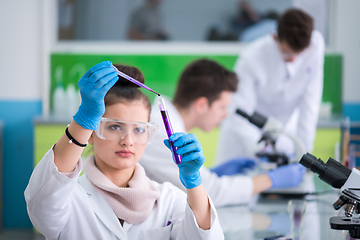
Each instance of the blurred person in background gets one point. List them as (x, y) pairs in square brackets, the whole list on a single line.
[(282, 77), (146, 22), (246, 16), (267, 25)]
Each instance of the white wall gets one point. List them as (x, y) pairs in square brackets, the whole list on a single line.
[(20, 100), (20, 77), (346, 40), (319, 10)]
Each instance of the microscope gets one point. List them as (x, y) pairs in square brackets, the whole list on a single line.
[(272, 129), (338, 176)]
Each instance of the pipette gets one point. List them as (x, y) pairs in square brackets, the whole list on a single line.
[(133, 80), (168, 128)]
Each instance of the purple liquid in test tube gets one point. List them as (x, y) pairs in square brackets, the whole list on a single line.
[(168, 128)]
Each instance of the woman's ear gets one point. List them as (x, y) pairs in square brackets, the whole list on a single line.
[(91, 139), (201, 104)]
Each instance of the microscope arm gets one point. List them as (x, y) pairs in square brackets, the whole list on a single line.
[(299, 147), (353, 180)]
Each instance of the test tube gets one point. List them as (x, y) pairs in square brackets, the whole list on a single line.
[(168, 128)]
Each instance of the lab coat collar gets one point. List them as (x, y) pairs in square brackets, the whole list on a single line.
[(102, 209)]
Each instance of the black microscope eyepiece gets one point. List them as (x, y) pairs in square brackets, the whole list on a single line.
[(315, 165), (257, 119), (331, 172)]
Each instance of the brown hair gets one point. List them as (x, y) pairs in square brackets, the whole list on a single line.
[(294, 28), (126, 91), (204, 78)]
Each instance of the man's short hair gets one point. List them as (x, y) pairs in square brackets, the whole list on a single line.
[(294, 28), (204, 78)]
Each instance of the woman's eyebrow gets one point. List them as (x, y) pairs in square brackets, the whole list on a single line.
[(116, 122)]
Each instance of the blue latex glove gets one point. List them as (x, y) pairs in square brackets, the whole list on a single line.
[(287, 176), (234, 166), (192, 158), (93, 87)]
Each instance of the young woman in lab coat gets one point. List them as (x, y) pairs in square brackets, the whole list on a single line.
[(114, 199)]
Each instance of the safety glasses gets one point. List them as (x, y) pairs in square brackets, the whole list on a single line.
[(116, 130)]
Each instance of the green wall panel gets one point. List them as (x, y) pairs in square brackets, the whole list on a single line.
[(332, 81), (325, 142), (46, 135), (162, 71), (208, 141)]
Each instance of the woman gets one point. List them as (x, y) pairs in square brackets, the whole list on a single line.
[(114, 199)]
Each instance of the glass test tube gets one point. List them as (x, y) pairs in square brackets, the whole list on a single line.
[(168, 128)]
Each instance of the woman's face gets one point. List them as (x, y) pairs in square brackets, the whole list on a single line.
[(122, 153)]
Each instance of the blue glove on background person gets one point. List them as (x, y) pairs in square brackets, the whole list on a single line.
[(287, 176), (192, 158), (93, 87), (234, 166)]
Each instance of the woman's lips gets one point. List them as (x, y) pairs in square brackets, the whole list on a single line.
[(125, 153)]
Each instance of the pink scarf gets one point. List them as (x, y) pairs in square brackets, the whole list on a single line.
[(132, 204)]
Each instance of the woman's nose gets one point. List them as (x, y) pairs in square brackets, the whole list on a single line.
[(127, 140)]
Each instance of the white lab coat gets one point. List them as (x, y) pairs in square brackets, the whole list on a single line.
[(159, 166), (289, 92), (62, 207)]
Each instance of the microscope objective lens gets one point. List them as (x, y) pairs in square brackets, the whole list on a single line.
[(340, 202), (349, 208)]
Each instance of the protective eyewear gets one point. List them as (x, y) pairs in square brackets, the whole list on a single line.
[(116, 130)]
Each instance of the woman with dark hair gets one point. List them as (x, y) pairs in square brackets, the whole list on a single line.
[(115, 199)]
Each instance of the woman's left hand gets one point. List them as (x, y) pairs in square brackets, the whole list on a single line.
[(189, 148)]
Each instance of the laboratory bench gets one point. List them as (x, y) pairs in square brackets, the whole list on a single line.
[(266, 218)]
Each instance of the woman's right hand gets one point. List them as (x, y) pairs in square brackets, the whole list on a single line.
[(93, 87)]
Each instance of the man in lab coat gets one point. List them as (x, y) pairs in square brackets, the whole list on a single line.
[(201, 100), (280, 76)]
